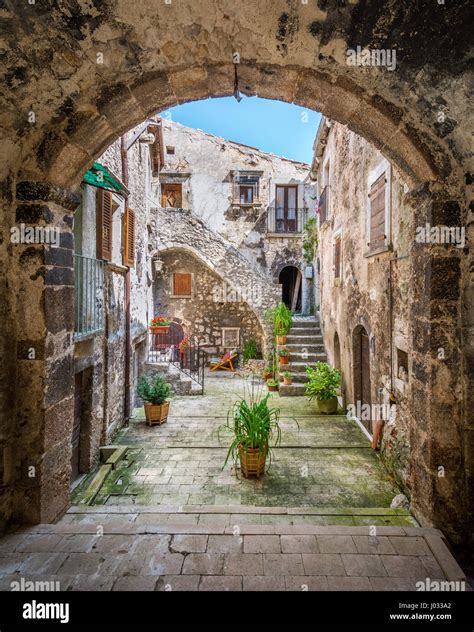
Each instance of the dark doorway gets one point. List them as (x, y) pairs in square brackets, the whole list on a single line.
[(362, 387), (76, 431), (290, 280)]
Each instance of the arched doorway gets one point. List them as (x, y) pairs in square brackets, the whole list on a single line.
[(290, 281), (361, 367)]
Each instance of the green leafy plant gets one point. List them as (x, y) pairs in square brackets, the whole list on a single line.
[(272, 382), (286, 375), (281, 318), (310, 240), (250, 350), (267, 369), (253, 423), (323, 381), (153, 389), (283, 353)]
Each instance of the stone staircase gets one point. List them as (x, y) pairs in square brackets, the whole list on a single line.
[(305, 344)]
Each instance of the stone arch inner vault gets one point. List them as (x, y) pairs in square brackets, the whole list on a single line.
[(77, 77)]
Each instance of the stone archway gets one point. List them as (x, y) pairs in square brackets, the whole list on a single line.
[(64, 104)]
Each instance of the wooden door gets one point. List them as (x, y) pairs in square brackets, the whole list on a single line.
[(171, 196), (76, 431), (286, 209), (365, 376)]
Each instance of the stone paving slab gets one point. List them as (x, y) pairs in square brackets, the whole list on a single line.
[(323, 460), (197, 558)]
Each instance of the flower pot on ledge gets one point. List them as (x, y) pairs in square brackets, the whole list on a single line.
[(328, 406), (164, 329)]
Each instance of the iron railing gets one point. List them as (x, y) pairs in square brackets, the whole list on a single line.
[(184, 353), (286, 220), (89, 295)]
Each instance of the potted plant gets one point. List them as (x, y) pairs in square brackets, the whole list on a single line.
[(282, 320), (254, 424), (267, 373), (154, 391), (159, 325), (272, 384), (284, 356), (323, 384), (287, 378)]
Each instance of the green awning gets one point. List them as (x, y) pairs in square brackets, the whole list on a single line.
[(100, 176)]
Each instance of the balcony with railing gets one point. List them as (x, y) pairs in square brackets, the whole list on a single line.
[(284, 220), (89, 296)]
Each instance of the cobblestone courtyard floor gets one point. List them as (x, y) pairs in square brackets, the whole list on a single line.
[(323, 461), (168, 517)]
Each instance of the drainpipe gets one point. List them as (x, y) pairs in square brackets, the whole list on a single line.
[(128, 354)]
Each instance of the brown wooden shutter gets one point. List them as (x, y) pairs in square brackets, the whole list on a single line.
[(129, 237), (182, 284), (377, 213), (337, 258), (104, 224)]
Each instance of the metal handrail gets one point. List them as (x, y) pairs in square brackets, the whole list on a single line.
[(185, 354), (89, 295)]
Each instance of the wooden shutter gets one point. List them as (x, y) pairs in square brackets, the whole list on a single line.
[(129, 237), (182, 284), (104, 224), (337, 258), (377, 213)]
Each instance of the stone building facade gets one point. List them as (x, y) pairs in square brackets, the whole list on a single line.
[(256, 205), (367, 234)]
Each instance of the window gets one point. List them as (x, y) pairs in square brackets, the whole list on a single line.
[(230, 337), (246, 187), (378, 216), (286, 208), (171, 195), (170, 150), (129, 237), (104, 224), (402, 365), (337, 256), (182, 284), (246, 194)]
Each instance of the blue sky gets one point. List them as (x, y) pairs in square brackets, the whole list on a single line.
[(281, 128)]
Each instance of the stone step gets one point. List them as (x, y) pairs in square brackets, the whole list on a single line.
[(298, 377), (296, 331), (297, 367), (296, 389), (305, 324), (308, 357), (310, 346)]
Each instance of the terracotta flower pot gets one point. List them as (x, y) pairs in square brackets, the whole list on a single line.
[(156, 414), (267, 376), (164, 329), (328, 406), (287, 381), (281, 340), (252, 461), (272, 388), (284, 359)]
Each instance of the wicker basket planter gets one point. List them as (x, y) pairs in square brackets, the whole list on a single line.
[(252, 461), (281, 340), (156, 414)]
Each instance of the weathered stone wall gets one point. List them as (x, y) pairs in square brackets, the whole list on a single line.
[(209, 309), (406, 297)]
